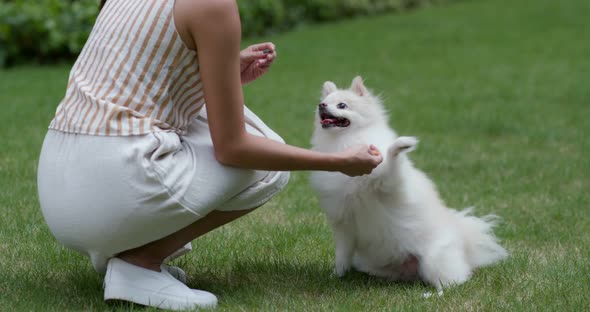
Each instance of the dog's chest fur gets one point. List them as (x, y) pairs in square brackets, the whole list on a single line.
[(371, 216), (376, 216)]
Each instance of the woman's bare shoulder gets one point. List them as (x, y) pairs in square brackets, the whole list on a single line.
[(191, 15)]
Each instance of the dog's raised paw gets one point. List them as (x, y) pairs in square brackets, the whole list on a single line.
[(403, 144)]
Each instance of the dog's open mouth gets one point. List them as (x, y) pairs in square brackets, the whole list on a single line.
[(329, 121)]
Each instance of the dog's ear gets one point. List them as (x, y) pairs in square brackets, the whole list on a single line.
[(328, 88), (358, 87)]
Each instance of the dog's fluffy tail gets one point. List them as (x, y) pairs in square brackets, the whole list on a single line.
[(481, 245)]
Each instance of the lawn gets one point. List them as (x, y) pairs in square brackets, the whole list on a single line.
[(496, 90)]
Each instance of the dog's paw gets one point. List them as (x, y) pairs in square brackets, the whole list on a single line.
[(429, 294), (402, 144)]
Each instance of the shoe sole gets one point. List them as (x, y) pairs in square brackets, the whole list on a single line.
[(113, 292)]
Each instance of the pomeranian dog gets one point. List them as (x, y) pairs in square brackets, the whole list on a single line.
[(392, 222)]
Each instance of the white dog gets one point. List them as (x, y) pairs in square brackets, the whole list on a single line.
[(392, 223)]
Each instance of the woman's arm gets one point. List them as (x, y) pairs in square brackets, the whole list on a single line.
[(214, 28)]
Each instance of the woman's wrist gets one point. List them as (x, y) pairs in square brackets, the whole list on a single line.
[(335, 162)]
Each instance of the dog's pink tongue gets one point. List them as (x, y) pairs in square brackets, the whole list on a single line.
[(327, 121)]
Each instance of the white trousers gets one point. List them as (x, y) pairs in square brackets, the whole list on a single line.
[(104, 195)]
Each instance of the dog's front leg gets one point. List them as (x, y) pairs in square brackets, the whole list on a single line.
[(403, 144), (391, 174), (345, 245)]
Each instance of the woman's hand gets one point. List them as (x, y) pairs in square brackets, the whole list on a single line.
[(255, 61), (362, 160)]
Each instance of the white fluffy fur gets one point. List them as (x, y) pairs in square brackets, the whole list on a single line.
[(380, 219)]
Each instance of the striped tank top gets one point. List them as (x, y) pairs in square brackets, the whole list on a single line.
[(134, 75)]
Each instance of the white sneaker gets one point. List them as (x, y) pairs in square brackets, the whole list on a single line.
[(125, 281), (176, 272), (179, 274)]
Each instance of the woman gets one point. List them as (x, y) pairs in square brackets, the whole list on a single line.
[(133, 167)]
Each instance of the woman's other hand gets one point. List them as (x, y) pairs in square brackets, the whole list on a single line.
[(256, 60)]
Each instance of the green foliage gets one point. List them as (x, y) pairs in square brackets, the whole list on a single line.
[(44, 30), (50, 30), (264, 16), (258, 16)]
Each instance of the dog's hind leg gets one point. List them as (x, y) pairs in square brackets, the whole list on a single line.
[(444, 264)]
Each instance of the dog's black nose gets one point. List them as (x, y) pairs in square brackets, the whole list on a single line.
[(323, 105)]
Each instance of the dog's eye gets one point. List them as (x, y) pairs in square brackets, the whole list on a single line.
[(342, 105)]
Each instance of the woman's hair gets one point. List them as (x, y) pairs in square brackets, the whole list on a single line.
[(102, 3)]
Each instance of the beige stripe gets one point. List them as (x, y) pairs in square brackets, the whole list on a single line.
[(59, 114), (169, 83), (103, 78), (160, 64), (159, 125), (92, 104), (187, 71), (157, 97), (194, 105), (165, 83), (130, 127), (193, 84), (69, 111), (117, 75), (62, 112), (180, 110), (138, 57), (151, 59), (140, 80), (112, 81), (190, 91), (126, 114), (187, 102), (184, 85), (179, 85), (95, 41), (108, 109), (177, 111), (89, 48), (72, 101), (197, 108), (171, 117), (101, 67)]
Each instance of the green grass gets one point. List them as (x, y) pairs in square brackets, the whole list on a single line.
[(496, 90)]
